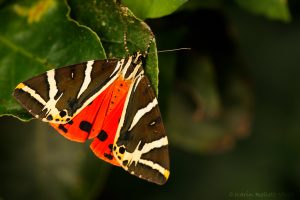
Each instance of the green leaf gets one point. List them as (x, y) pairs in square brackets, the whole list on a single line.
[(34, 37), (112, 22), (153, 8), (273, 9), (39, 35), (194, 5)]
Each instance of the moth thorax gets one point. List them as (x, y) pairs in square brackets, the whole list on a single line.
[(133, 69)]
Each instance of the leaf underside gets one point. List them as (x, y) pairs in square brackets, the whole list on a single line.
[(39, 35)]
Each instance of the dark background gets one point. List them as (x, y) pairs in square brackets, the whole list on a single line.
[(253, 65)]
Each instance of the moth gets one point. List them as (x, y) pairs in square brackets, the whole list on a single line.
[(110, 102)]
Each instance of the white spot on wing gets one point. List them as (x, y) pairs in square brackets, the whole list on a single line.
[(152, 123)]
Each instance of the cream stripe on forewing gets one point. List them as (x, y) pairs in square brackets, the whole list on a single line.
[(152, 145), (119, 64), (124, 70), (135, 156), (52, 83), (137, 57), (32, 93), (140, 77), (141, 112), (133, 74), (153, 165), (87, 77), (50, 105)]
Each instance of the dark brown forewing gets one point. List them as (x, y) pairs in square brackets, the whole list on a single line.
[(68, 80), (100, 76), (144, 132)]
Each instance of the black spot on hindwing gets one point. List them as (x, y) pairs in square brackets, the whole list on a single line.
[(108, 156), (63, 128), (85, 126), (110, 146), (102, 136)]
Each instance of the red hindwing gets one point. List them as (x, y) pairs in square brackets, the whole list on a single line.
[(99, 120)]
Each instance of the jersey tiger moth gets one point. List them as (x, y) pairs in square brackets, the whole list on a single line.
[(110, 102)]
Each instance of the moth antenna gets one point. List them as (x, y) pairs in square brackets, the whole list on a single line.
[(125, 29), (170, 50), (125, 42), (178, 49)]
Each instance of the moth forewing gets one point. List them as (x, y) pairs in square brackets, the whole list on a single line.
[(141, 142), (60, 94)]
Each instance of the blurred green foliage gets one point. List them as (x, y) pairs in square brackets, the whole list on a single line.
[(153, 8), (230, 105), (273, 9)]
